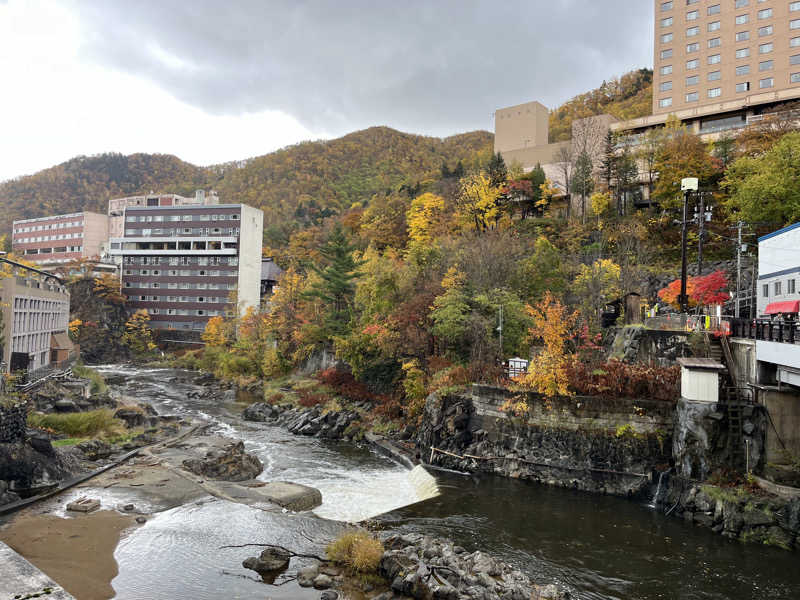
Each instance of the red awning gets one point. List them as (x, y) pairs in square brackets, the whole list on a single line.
[(783, 308)]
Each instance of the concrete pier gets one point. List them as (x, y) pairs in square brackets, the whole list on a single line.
[(19, 578)]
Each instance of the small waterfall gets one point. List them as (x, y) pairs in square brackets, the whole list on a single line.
[(654, 501), (424, 483)]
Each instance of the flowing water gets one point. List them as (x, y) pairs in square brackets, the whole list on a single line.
[(600, 547)]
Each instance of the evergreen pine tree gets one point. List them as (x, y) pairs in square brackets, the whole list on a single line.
[(336, 287), (498, 172), (583, 180)]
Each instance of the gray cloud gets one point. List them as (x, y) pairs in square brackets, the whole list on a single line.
[(430, 66)]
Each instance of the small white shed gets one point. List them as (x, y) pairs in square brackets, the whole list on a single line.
[(700, 379)]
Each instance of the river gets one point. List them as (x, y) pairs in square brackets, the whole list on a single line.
[(600, 547)]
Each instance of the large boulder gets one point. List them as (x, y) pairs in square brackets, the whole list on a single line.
[(259, 412), (229, 463)]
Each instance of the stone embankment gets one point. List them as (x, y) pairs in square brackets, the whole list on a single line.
[(588, 444), (733, 512)]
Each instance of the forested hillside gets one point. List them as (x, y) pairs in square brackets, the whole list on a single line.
[(628, 97), (302, 183), (87, 182)]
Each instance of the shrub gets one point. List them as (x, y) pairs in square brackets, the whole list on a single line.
[(356, 550), (308, 399), (616, 379), (346, 385), (275, 398), (81, 424), (98, 383)]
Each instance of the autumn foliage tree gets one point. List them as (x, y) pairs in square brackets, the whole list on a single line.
[(554, 325), (706, 290), (138, 336)]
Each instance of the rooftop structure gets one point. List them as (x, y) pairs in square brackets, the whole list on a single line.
[(186, 263), (117, 206)]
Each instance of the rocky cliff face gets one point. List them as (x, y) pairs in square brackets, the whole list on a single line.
[(103, 320), (586, 444)]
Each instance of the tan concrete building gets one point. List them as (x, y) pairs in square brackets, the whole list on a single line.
[(718, 56), (50, 241), (521, 127), (35, 310)]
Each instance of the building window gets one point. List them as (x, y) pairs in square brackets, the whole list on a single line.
[(714, 59), (666, 38), (742, 70), (692, 97), (714, 26), (714, 10), (665, 102), (714, 42), (794, 42), (742, 3), (692, 80), (667, 69), (692, 47), (766, 65), (692, 15), (766, 83), (790, 289), (743, 53), (777, 286), (715, 75), (765, 48), (665, 6), (692, 31), (765, 290), (765, 31), (692, 64), (794, 60), (665, 86), (793, 6), (794, 78), (742, 19), (794, 24), (744, 86), (765, 13), (714, 92)]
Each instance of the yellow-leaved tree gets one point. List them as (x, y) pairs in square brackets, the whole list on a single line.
[(477, 203), (554, 325), (595, 285), (138, 336), (214, 334)]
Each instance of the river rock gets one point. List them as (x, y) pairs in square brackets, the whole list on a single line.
[(306, 576), (6, 495), (132, 415), (95, 449), (328, 595), (259, 412), (229, 463), (270, 560), (322, 582)]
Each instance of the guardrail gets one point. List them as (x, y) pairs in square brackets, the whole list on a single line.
[(782, 331)]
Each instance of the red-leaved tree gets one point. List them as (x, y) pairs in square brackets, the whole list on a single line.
[(702, 291)]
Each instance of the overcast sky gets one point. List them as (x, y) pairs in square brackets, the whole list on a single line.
[(213, 81)]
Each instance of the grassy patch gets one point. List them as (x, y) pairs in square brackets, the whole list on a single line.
[(357, 550), (81, 424), (98, 383), (68, 442)]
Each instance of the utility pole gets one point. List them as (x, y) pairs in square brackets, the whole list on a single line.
[(739, 226), (688, 184)]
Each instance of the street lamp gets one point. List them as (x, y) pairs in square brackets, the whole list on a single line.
[(688, 185)]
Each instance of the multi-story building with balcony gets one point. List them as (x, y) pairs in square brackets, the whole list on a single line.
[(189, 262), (35, 310), (117, 206), (51, 241)]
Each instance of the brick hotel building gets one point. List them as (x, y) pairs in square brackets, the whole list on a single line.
[(49, 241), (183, 263)]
